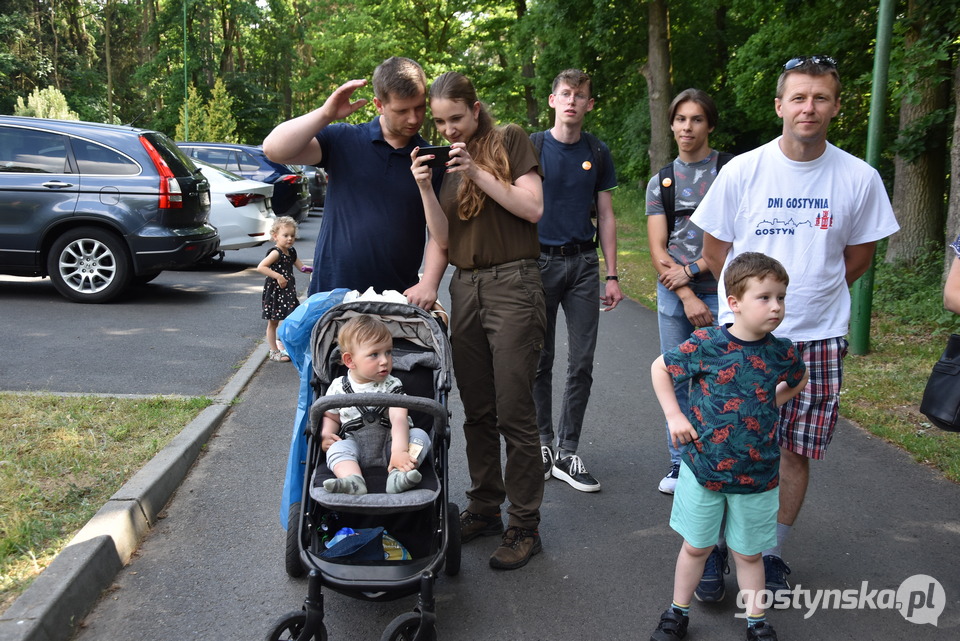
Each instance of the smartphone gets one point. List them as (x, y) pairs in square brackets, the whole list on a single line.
[(442, 153)]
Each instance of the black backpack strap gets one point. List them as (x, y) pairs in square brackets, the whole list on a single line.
[(537, 139), (723, 158), (667, 195)]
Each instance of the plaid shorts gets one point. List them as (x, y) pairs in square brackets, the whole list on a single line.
[(808, 420)]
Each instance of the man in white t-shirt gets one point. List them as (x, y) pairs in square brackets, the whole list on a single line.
[(820, 212)]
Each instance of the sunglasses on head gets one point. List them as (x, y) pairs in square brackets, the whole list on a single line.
[(793, 63)]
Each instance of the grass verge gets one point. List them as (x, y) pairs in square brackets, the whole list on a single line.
[(61, 458), (882, 389)]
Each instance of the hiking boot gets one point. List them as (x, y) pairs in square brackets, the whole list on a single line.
[(761, 632), (516, 549), (571, 470), (547, 455), (776, 570), (712, 588), (673, 625), (669, 482), (473, 525)]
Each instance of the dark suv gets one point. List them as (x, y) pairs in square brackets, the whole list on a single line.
[(98, 207), (291, 194)]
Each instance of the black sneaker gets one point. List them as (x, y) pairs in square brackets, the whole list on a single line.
[(776, 570), (761, 632), (547, 455), (571, 470), (516, 549), (669, 482), (473, 525), (712, 587), (673, 625)]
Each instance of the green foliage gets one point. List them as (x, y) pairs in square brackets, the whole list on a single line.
[(911, 294), (45, 103), (221, 125), (193, 119)]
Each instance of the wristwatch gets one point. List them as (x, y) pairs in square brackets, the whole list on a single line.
[(694, 270)]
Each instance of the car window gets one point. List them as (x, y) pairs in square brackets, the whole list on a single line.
[(207, 168), (33, 152), (248, 164), (178, 161), (97, 159)]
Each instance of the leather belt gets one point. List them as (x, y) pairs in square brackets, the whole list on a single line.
[(571, 249)]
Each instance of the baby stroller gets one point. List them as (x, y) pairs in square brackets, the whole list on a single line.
[(421, 527)]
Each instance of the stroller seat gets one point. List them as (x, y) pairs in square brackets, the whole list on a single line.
[(376, 500)]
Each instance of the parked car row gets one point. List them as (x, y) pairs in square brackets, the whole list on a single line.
[(291, 194), (97, 208)]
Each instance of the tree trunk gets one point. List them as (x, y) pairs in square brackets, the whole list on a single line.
[(920, 180), (658, 74), (953, 209)]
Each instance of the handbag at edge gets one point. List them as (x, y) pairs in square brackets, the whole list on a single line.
[(941, 397)]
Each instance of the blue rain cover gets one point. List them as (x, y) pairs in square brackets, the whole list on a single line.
[(294, 332)]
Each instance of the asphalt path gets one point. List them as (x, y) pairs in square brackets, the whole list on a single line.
[(184, 333), (213, 567)]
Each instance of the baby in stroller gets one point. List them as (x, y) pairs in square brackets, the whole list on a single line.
[(358, 437)]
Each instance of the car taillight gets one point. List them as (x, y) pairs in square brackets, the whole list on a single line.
[(290, 178), (239, 200), (171, 197)]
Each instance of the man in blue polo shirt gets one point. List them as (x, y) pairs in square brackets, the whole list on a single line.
[(373, 227), (578, 175)]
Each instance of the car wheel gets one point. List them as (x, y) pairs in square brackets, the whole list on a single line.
[(89, 265)]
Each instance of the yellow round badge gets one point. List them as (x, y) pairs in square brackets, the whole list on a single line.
[(586, 165), (666, 182)]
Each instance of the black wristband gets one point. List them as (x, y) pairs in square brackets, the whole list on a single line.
[(613, 278)]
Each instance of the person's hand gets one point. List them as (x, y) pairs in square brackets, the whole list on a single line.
[(423, 296), (681, 431), (401, 460), (422, 173), (674, 277), (697, 312), (327, 440), (611, 295), (281, 281), (339, 104), (461, 160)]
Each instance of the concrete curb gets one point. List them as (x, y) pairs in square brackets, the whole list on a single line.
[(72, 584)]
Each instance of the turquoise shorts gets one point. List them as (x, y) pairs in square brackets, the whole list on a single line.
[(751, 518)]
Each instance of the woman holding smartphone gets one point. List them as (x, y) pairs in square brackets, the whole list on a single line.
[(485, 216)]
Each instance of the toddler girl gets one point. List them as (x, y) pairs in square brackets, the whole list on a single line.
[(280, 287)]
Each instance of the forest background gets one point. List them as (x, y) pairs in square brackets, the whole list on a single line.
[(123, 61)]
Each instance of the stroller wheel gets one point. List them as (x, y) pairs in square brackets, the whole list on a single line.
[(292, 562), (452, 562), (404, 628), (290, 626)]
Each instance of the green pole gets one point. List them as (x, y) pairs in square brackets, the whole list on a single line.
[(186, 103), (862, 291)]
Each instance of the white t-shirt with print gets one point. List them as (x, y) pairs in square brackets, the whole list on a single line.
[(804, 214)]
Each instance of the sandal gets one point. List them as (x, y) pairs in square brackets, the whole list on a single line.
[(278, 357)]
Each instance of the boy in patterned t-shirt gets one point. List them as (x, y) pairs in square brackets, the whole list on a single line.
[(731, 460)]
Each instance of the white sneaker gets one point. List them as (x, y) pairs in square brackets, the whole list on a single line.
[(669, 482)]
